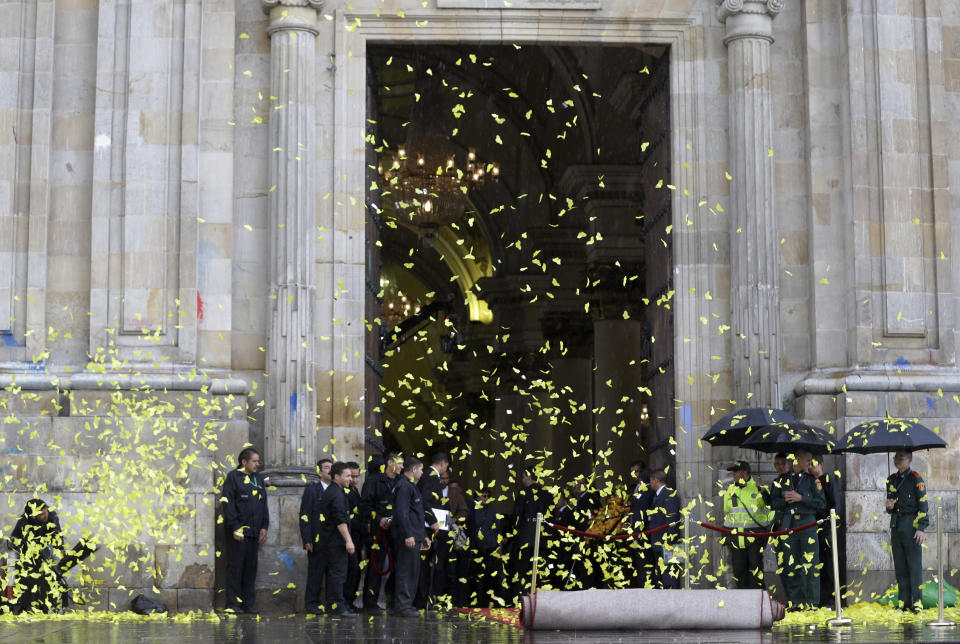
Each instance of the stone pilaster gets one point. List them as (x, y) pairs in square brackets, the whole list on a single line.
[(754, 245), (290, 423)]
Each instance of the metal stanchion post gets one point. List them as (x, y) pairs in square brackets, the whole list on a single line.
[(940, 622), (839, 621), (536, 554), (686, 551)]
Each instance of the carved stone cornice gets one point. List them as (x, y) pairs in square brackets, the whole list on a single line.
[(292, 15), (748, 18)]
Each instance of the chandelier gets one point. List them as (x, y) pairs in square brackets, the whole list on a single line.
[(395, 307), (427, 187)]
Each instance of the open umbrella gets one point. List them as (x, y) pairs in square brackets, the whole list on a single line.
[(736, 427), (889, 435), (789, 437)]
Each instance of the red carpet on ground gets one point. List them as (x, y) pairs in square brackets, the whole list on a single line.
[(508, 616)]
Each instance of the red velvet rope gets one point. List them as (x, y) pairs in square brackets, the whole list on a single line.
[(382, 541), (595, 535), (759, 535)]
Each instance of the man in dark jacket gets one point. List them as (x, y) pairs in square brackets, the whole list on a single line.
[(357, 530), (522, 531), (486, 571), (831, 494), (311, 524), (801, 497), (243, 501), (664, 510), (408, 536), (334, 544), (377, 508), (431, 490), (641, 551)]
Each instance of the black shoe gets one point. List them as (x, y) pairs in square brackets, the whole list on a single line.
[(373, 610), (343, 611), (249, 611), (410, 612)]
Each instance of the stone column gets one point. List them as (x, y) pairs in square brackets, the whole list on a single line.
[(754, 245), (290, 422)]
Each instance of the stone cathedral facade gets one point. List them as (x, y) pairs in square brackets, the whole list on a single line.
[(199, 171)]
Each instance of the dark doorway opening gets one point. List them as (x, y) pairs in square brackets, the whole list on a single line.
[(519, 260)]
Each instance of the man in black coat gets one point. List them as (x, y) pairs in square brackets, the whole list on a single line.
[(334, 544), (642, 552), (310, 529), (486, 571), (376, 501), (431, 490), (832, 495), (357, 530), (664, 509), (522, 531), (408, 536), (243, 502)]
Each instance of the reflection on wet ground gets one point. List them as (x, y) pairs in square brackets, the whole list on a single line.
[(433, 629)]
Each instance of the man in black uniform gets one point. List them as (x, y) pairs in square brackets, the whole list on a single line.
[(522, 531), (907, 507), (377, 508), (431, 490), (243, 502), (783, 468), (334, 543), (800, 495), (664, 510), (352, 584), (486, 571), (409, 535), (641, 551), (310, 528), (831, 494)]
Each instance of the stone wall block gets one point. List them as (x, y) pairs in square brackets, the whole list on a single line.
[(184, 566), (863, 404), (866, 511), (816, 408), (193, 599), (282, 565), (875, 548)]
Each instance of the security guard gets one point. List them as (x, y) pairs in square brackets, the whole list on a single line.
[(745, 510), (782, 466), (800, 495), (244, 506), (408, 536), (907, 507)]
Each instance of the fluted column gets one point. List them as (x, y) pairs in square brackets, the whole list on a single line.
[(754, 245), (290, 421)]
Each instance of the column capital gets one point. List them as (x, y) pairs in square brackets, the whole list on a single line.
[(292, 15), (748, 18)]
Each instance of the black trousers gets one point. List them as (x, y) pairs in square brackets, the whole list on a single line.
[(406, 569), (352, 583), (430, 568), (747, 563), (241, 572), (486, 577), (371, 580), (328, 563)]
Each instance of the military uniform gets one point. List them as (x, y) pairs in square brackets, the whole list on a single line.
[(745, 510), (799, 559), (909, 514)]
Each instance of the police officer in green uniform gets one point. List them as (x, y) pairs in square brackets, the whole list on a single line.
[(782, 466), (799, 495), (907, 507)]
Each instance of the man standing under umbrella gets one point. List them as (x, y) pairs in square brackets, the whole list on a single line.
[(801, 495), (745, 510), (907, 507)]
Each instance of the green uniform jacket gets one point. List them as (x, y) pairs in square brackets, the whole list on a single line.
[(910, 493), (801, 512)]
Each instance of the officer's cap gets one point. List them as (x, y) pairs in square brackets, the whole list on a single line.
[(739, 466)]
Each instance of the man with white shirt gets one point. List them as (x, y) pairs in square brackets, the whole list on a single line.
[(431, 490), (310, 528), (664, 509)]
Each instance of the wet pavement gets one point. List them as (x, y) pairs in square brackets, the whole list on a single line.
[(432, 629)]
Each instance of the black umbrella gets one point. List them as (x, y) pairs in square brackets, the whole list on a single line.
[(889, 435), (789, 437), (736, 427)]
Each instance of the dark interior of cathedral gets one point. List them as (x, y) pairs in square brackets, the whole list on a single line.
[(519, 266)]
